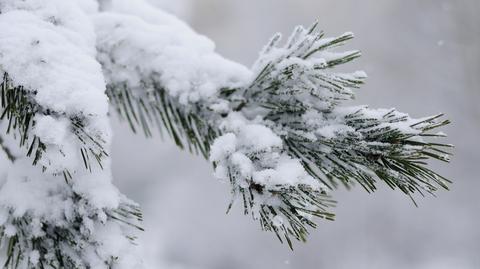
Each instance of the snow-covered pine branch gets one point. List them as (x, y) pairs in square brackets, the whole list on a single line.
[(58, 207), (277, 133), (283, 140)]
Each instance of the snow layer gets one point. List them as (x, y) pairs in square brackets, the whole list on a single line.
[(157, 47), (65, 75)]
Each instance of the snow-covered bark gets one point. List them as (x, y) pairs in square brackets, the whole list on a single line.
[(275, 132)]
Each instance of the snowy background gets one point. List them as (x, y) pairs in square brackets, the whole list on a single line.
[(422, 57)]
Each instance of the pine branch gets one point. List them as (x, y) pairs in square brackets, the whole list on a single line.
[(292, 216), (366, 144), (63, 211), (154, 109), (19, 108), (157, 109), (61, 246), (375, 148), (296, 95), (57, 246)]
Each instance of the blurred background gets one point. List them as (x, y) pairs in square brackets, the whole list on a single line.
[(422, 57)]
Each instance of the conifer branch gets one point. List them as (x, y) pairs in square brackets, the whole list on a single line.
[(297, 95), (19, 108), (278, 133), (61, 246), (155, 109), (58, 243)]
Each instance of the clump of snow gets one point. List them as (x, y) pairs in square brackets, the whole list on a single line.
[(51, 130), (10, 230), (65, 76), (254, 151), (330, 131), (223, 146), (133, 50), (24, 193), (243, 164), (250, 134), (277, 221), (100, 193), (288, 172), (34, 257)]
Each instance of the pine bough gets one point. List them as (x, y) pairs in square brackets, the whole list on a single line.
[(277, 133)]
